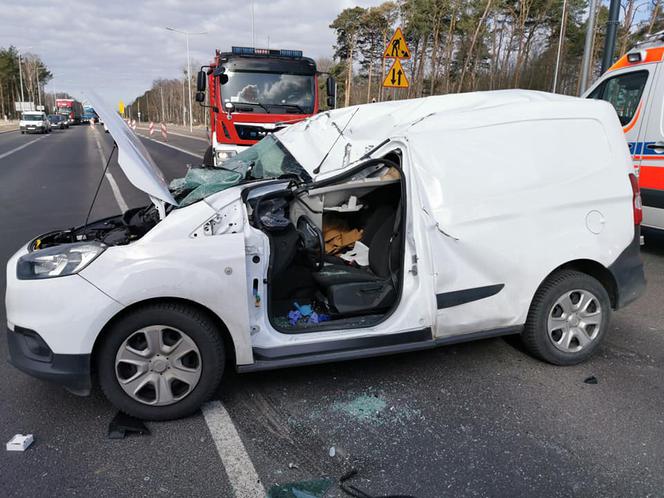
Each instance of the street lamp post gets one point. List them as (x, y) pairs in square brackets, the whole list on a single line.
[(186, 36), (560, 46)]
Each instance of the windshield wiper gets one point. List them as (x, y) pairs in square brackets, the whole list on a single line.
[(296, 106), (262, 106)]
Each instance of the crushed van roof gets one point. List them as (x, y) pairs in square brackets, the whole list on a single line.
[(365, 126)]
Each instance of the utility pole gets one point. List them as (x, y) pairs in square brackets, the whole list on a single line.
[(20, 76), (38, 86), (186, 35), (588, 48), (253, 31), (560, 46), (610, 40), (184, 108)]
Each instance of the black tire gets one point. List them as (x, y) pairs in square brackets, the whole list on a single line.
[(208, 158), (535, 336), (196, 325)]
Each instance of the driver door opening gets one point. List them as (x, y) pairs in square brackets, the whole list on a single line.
[(336, 249)]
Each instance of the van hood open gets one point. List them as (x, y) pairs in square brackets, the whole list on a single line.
[(133, 157)]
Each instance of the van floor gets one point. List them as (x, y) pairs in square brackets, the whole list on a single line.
[(280, 309)]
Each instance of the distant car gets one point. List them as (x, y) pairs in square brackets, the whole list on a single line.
[(34, 122), (56, 121), (66, 119)]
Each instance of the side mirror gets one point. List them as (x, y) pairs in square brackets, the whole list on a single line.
[(200, 96), (200, 82), (331, 87)]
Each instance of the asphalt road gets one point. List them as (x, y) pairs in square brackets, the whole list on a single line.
[(478, 419)]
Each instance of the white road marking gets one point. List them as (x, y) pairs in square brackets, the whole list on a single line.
[(9, 153), (179, 135), (111, 181), (172, 146), (239, 469)]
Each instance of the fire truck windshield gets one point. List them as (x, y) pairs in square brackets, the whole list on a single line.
[(270, 92)]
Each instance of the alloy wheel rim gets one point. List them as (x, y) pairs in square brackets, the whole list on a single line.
[(158, 365), (574, 320)]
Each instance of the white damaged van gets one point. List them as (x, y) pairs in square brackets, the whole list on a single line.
[(359, 232)]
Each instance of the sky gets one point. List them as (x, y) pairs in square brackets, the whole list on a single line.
[(118, 47)]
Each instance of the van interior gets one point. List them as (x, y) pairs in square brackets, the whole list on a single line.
[(336, 249)]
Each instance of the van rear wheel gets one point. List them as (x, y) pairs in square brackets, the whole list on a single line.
[(568, 318), (161, 361)]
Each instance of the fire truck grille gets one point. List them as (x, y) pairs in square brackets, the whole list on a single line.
[(252, 132)]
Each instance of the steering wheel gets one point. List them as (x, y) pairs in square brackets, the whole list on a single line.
[(310, 242)]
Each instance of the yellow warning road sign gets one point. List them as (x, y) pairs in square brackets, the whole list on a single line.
[(396, 76), (396, 47), (121, 108)]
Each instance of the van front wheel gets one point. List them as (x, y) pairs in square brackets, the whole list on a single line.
[(568, 318), (161, 361)]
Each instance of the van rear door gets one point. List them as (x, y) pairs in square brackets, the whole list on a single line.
[(632, 90)]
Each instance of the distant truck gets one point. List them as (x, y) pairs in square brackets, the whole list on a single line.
[(254, 92), (89, 115), (71, 108)]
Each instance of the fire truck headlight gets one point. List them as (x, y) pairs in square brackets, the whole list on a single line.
[(223, 155)]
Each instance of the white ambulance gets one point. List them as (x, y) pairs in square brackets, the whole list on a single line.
[(635, 87)]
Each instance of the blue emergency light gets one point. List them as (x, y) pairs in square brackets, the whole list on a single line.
[(265, 51)]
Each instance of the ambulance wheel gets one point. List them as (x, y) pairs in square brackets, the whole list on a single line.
[(208, 158), (568, 318), (161, 361)]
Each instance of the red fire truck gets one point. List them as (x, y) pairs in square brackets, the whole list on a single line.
[(253, 92), (70, 108)]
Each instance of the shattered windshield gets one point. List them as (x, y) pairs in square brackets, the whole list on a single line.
[(266, 159)]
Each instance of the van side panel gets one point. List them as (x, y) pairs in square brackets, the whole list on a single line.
[(169, 263), (515, 200)]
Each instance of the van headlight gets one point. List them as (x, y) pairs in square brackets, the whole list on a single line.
[(57, 261)]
